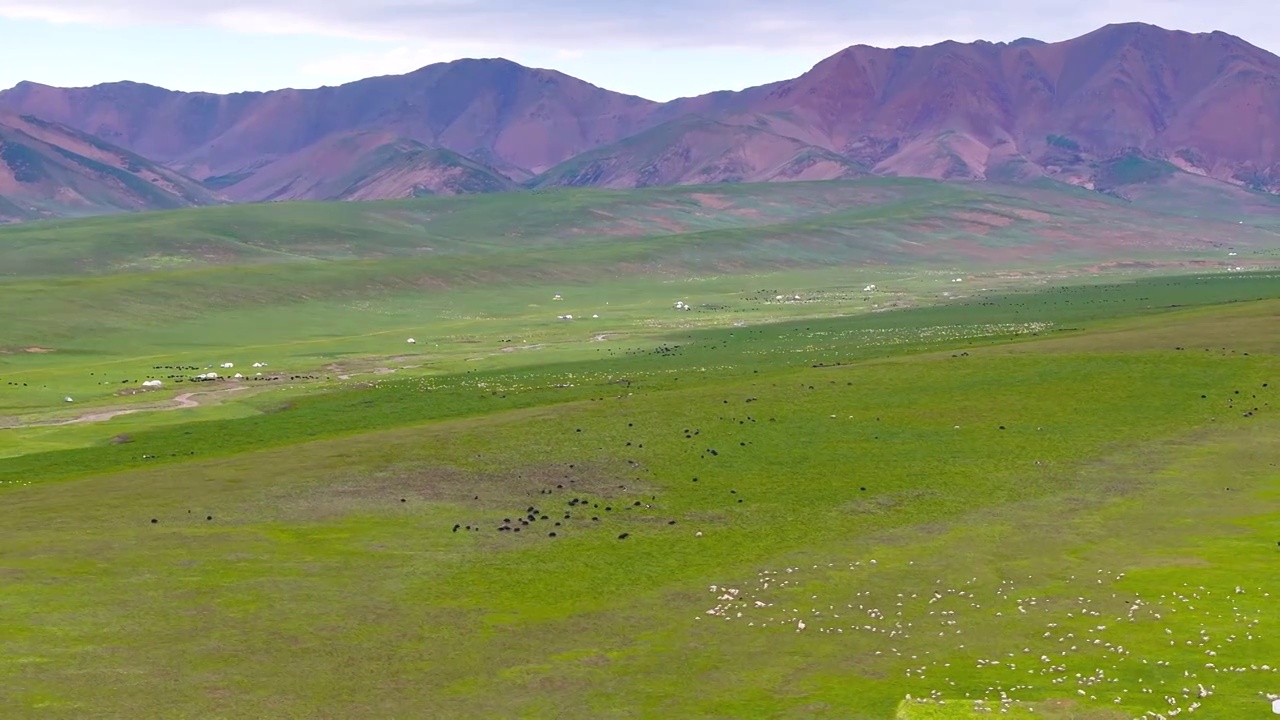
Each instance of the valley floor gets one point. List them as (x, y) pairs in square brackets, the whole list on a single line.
[(1056, 503), (912, 451)]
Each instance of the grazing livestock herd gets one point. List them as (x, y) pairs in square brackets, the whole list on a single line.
[(1248, 404), (1083, 646), (1090, 640), (589, 509)]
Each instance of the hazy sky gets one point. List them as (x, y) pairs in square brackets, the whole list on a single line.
[(659, 49)]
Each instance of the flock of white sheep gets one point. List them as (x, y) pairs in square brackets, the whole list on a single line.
[(1095, 643)]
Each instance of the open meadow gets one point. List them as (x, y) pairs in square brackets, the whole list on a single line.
[(913, 451)]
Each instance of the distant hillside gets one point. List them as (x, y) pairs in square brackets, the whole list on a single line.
[(369, 165), (48, 170), (694, 151)]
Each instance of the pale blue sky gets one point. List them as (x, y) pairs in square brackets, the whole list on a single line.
[(658, 49)]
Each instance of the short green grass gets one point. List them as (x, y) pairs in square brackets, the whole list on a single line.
[(1109, 460), (1040, 492)]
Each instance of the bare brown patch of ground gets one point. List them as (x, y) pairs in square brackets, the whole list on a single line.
[(986, 218), (1032, 215), (1061, 235), (925, 227), (668, 224), (969, 226), (882, 503), (617, 227), (482, 498), (715, 202)]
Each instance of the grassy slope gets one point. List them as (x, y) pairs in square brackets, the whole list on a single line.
[(257, 610), (492, 336), (833, 215), (431, 227)]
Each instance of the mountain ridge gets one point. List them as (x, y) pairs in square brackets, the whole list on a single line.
[(1202, 103)]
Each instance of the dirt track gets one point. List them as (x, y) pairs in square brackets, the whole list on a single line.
[(179, 402)]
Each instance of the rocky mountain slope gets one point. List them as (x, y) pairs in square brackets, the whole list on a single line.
[(1124, 105), (48, 170)]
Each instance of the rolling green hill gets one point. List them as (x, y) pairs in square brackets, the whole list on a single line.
[(760, 225)]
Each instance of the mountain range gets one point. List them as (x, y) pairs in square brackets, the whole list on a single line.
[(1125, 104)]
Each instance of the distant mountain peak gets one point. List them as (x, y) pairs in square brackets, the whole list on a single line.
[(1203, 103)]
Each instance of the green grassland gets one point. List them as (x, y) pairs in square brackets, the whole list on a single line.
[(1050, 489), (326, 289)]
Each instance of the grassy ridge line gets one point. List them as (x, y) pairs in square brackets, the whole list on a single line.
[(819, 214), (398, 228)]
